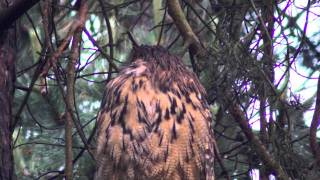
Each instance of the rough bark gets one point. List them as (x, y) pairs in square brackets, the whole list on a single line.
[(6, 94)]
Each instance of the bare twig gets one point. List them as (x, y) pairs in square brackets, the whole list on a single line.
[(110, 36), (261, 20), (32, 83), (94, 42)]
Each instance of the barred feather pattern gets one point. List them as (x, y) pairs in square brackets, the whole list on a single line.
[(154, 122)]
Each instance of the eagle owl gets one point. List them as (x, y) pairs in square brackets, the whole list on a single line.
[(154, 122)]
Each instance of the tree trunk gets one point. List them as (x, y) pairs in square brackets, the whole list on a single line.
[(6, 94), (7, 77)]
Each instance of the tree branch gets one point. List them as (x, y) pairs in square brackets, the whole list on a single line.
[(262, 152), (7, 78), (70, 89), (190, 39), (314, 125), (14, 11)]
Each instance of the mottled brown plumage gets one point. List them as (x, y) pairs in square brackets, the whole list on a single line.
[(154, 122)]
